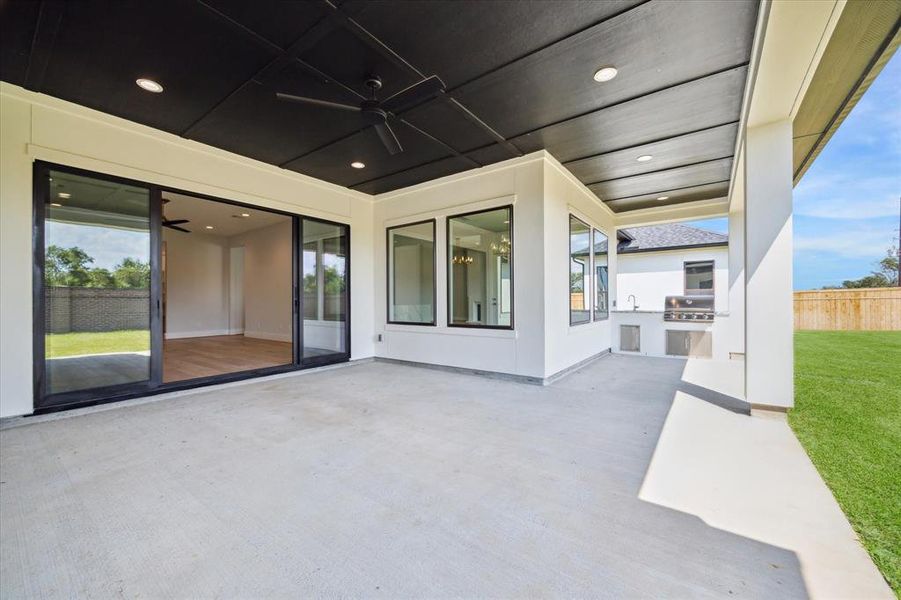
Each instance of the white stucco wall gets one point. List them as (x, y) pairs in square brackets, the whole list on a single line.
[(651, 276), (38, 127), (518, 352), (565, 344)]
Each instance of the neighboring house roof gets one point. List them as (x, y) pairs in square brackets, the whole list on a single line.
[(672, 236), (655, 238)]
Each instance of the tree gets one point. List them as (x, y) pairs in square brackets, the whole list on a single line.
[(888, 266), (885, 275), (67, 266), (132, 273), (100, 278)]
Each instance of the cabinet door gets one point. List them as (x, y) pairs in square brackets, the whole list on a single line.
[(700, 344)]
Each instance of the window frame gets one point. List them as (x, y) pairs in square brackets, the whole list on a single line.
[(686, 289), (389, 272), (589, 253), (594, 275), (449, 269)]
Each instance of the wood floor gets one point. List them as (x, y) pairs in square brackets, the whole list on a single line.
[(189, 358)]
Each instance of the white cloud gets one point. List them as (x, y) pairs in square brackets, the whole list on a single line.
[(858, 242), (842, 196)]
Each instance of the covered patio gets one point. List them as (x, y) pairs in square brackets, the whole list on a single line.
[(631, 477)]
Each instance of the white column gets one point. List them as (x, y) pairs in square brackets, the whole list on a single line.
[(736, 327), (769, 360)]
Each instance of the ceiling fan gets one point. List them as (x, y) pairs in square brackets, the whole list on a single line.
[(376, 112), (174, 223)]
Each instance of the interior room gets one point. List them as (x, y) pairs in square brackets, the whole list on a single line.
[(480, 269), (226, 288)]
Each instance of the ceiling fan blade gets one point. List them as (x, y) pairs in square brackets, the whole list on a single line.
[(176, 227), (389, 140), (175, 221), (316, 102), (417, 93)]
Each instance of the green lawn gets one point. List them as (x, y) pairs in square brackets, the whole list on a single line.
[(73, 344), (848, 417)]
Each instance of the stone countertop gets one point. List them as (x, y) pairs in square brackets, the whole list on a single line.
[(657, 312)]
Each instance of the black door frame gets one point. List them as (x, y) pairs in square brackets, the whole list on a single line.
[(319, 361), (44, 402)]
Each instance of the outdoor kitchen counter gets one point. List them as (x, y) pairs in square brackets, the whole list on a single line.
[(653, 330), (656, 312)]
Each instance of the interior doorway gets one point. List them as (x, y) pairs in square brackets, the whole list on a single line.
[(228, 288)]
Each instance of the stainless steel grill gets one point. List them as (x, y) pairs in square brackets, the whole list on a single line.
[(688, 308)]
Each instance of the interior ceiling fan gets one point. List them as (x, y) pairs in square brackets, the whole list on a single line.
[(174, 223), (376, 112)]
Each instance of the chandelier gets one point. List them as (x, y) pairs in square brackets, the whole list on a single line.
[(501, 248), (462, 260)]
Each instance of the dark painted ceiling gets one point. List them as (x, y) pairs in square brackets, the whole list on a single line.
[(518, 78)]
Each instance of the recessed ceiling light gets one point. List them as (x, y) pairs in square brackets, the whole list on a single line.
[(209, 226), (149, 85), (55, 204), (663, 198), (245, 214), (644, 158), (65, 195), (357, 164), (605, 74)]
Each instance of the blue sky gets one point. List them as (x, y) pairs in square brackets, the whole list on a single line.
[(846, 205)]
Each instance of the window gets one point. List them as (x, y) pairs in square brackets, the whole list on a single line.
[(601, 279), (579, 271), (411, 273), (480, 269), (588, 277), (699, 278)]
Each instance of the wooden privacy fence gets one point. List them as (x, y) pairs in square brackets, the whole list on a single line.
[(849, 309)]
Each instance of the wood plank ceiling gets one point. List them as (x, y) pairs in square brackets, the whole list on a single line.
[(518, 77)]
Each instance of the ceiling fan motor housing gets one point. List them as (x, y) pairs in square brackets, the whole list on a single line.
[(371, 112)]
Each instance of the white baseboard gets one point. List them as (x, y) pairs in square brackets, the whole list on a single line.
[(266, 335), (175, 335)]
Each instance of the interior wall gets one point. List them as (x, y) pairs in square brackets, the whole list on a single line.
[(197, 280), (565, 344), (267, 281), (652, 276), (39, 127), (519, 352)]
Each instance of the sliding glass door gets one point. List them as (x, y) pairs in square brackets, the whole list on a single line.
[(325, 279), (140, 288), (96, 252)]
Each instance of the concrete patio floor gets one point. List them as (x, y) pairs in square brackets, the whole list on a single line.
[(633, 477)]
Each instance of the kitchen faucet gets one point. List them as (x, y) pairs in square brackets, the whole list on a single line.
[(634, 301)]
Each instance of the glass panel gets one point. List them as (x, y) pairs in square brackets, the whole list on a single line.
[(310, 283), (325, 288), (480, 273), (96, 283), (601, 284), (411, 273), (228, 288), (699, 278), (579, 271)]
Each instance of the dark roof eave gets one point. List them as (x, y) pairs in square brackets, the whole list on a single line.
[(667, 248)]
